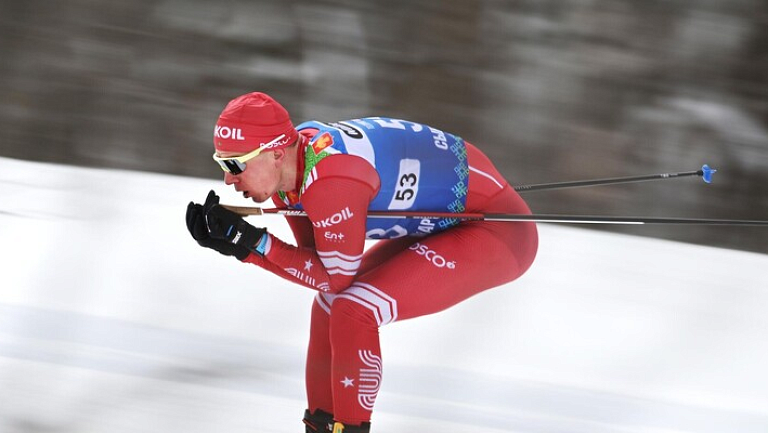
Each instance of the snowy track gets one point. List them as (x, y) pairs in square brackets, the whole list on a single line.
[(113, 320)]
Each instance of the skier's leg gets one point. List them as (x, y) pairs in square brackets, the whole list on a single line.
[(318, 366), (432, 274)]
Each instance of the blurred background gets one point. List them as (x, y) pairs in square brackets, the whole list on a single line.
[(551, 90), (108, 329)]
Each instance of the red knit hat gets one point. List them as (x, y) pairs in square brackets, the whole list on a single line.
[(251, 121)]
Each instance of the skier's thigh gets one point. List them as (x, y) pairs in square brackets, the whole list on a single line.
[(440, 270)]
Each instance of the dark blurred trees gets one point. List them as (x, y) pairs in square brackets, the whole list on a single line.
[(552, 90)]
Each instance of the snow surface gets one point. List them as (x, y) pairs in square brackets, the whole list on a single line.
[(113, 320)]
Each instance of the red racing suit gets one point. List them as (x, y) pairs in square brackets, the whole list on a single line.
[(395, 279)]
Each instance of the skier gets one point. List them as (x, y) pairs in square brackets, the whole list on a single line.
[(336, 172)]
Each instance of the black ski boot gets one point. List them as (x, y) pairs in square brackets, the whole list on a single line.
[(341, 428), (318, 422)]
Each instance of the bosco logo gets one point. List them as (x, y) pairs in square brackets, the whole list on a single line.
[(436, 259)]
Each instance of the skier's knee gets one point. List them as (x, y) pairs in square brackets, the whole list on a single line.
[(346, 310), (364, 305)]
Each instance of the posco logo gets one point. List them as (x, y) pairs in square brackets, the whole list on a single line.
[(436, 259)]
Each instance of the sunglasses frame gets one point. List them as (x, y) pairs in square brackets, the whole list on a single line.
[(224, 162)]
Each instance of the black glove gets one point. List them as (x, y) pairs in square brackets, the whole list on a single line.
[(199, 231), (225, 224), (217, 228)]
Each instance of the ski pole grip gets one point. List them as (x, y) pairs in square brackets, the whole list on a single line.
[(244, 210)]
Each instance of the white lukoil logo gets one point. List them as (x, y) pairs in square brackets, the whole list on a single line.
[(436, 259), (334, 219), (227, 133)]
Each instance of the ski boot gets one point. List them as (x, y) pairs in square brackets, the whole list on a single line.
[(318, 422)]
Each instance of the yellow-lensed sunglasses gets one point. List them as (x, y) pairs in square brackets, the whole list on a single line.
[(236, 164)]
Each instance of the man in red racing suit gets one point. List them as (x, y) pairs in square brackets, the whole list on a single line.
[(336, 173)]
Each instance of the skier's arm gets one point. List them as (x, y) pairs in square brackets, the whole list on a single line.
[(300, 226), (336, 203)]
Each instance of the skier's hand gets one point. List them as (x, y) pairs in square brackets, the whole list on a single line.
[(223, 224), (217, 228), (199, 231)]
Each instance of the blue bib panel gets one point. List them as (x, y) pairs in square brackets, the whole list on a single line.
[(421, 169)]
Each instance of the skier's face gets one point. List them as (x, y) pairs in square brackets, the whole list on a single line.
[(261, 177)]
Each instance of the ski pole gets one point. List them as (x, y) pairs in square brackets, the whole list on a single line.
[(705, 172), (546, 218)]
